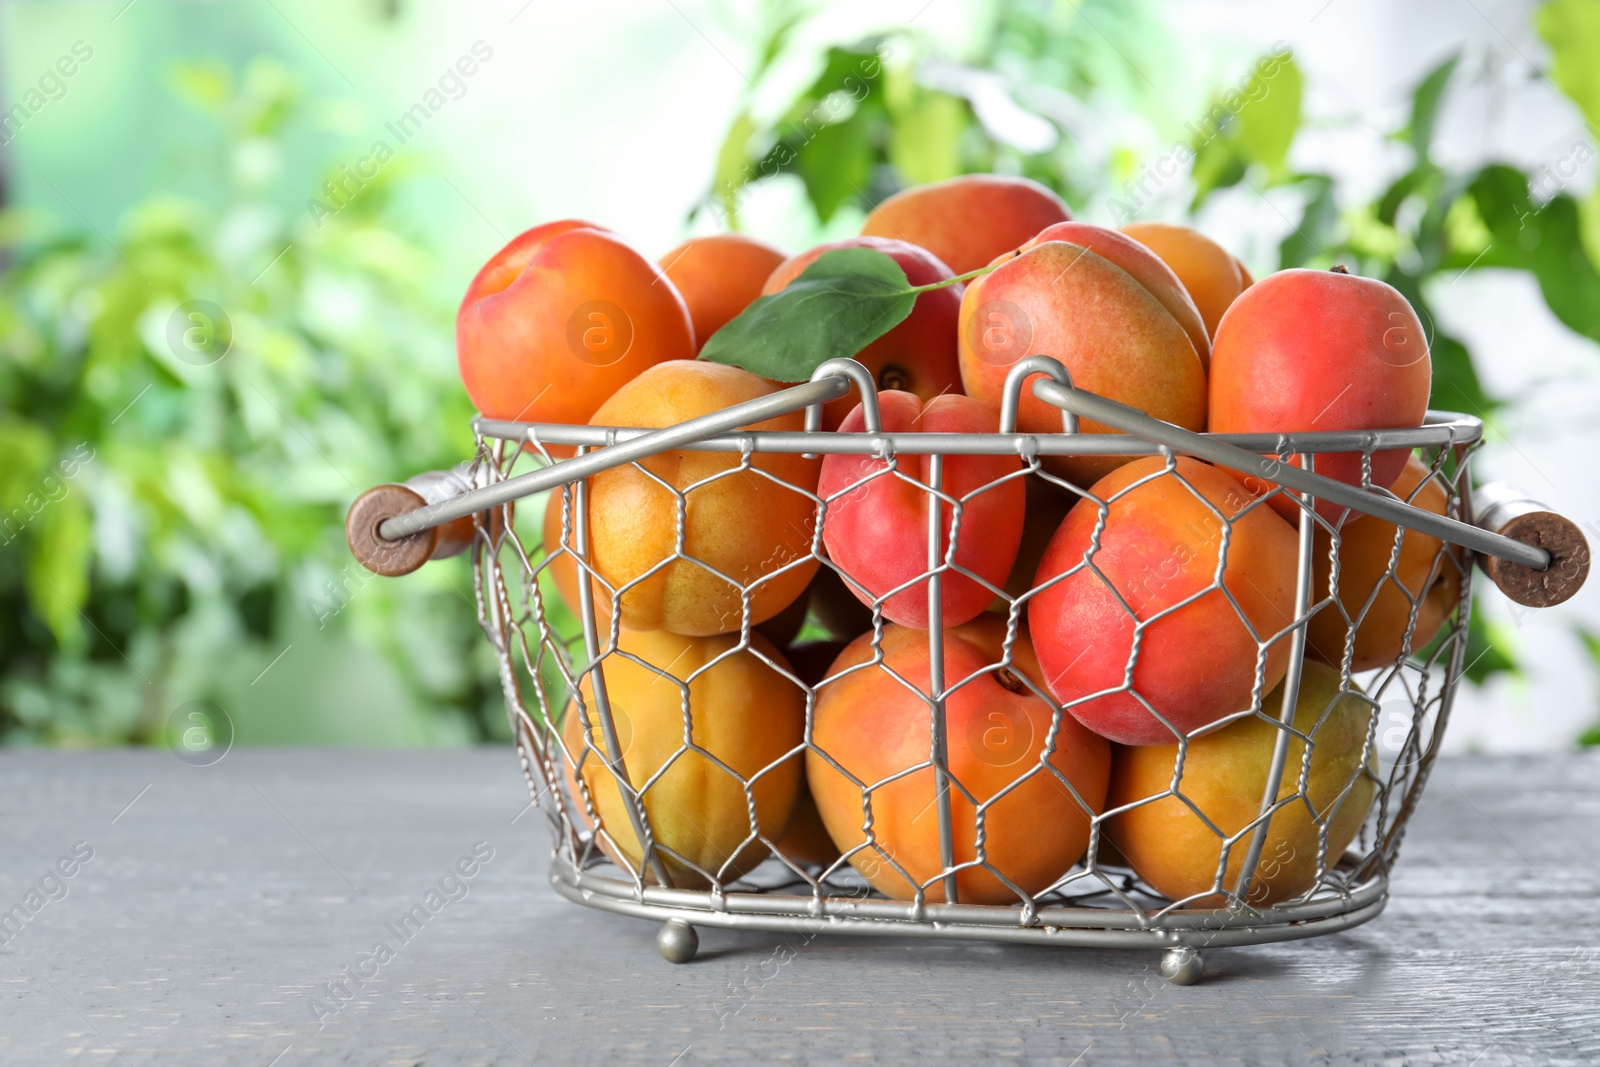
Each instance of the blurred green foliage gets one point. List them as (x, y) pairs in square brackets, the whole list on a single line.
[(176, 474), (894, 110), (175, 479)]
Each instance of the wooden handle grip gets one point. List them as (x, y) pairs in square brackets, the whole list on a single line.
[(380, 503), (1510, 513)]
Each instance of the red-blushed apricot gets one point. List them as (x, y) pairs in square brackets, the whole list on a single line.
[(559, 319), (919, 355), (1158, 548), (1212, 275), (734, 709), (870, 728), (1144, 265), (1224, 777), (876, 525), (741, 527), (719, 276), (1321, 350), (1369, 593), (1114, 336), (969, 220)]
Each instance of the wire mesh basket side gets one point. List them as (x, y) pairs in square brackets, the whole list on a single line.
[(559, 669)]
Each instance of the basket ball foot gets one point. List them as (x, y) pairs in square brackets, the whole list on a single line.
[(677, 941), (1180, 966)]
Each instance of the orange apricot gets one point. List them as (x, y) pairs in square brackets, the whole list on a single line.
[(872, 728), (1212, 275), (969, 220), (719, 276), (744, 533), (1377, 601)]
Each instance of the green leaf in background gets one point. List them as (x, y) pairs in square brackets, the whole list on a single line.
[(1254, 127), (924, 143), (1542, 240), (1488, 651), (843, 302), (1266, 126), (836, 164), (1425, 101), (58, 573), (1571, 28), (732, 168), (1590, 738), (1313, 239), (1402, 188), (1455, 380)]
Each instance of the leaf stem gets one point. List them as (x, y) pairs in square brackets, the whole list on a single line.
[(952, 281)]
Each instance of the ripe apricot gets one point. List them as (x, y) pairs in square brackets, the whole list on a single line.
[(741, 527), (1321, 350), (1159, 547), (1225, 775), (696, 705), (919, 355), (1212, 275), (1146, 268), (1114, 336), (560, 548), (969, 220), (560, 318), (1367, 591), (719, 275), (876, 524), (870, 728)]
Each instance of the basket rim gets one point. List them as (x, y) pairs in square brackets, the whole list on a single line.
[(1439, 429), (1088, 927)]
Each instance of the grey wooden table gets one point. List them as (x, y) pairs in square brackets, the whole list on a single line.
[(227, 915)]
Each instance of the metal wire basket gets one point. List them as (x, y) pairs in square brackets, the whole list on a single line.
[(619, 831)]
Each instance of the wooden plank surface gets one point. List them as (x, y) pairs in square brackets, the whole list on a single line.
[(220, 902)]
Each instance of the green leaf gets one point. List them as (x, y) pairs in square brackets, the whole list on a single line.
[(1572, 30), (1310, 240), (836, 164), (58, 573), (843, 302), (1403, 188), (1216, 166), (924, 138), (1545, 241), (1266, 126), (733, 167), (1425, 101), (1455, 381), (1590, 738), (1589, 224)]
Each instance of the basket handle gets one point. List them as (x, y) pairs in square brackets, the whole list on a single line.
[(1505, 511), (1534, 555), (394, 529), (382, 502)]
